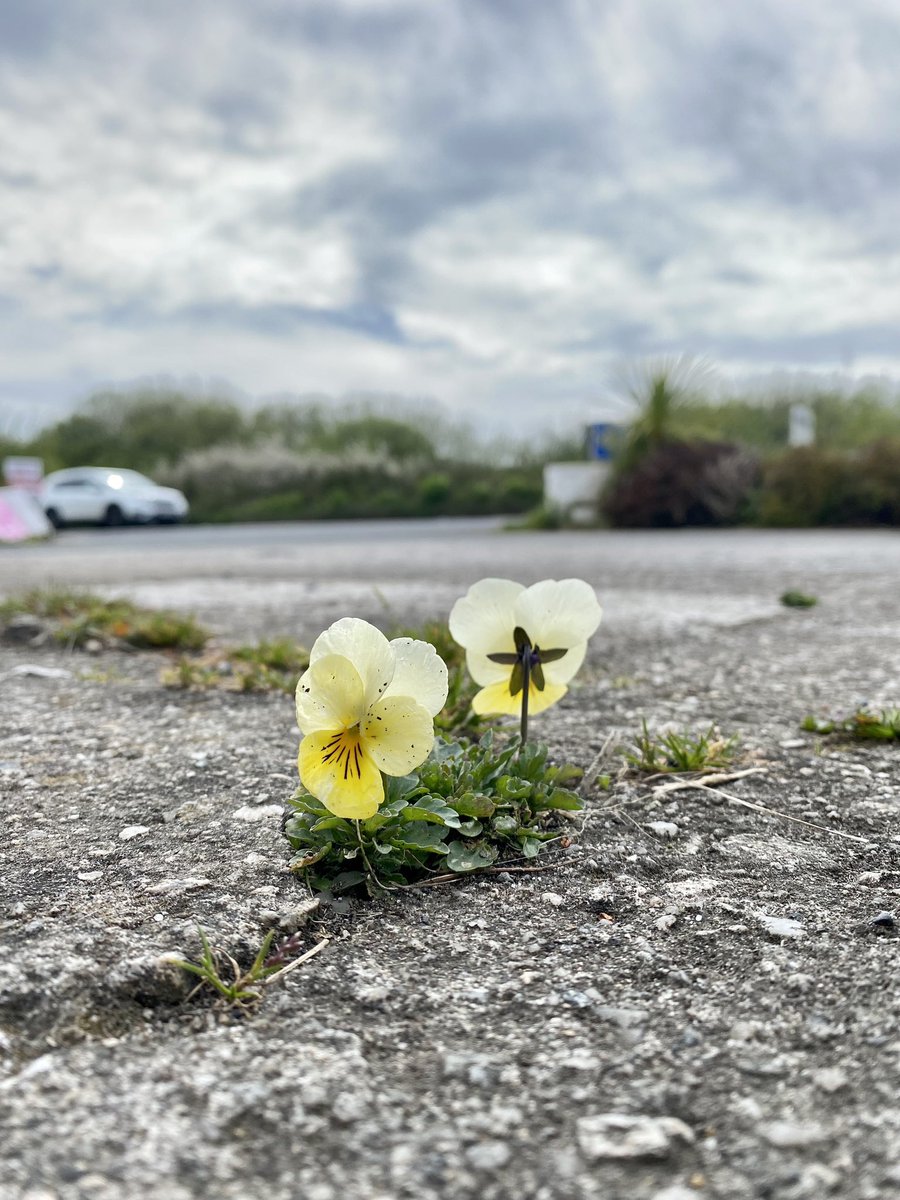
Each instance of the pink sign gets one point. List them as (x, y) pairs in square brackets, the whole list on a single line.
[(12, 527)]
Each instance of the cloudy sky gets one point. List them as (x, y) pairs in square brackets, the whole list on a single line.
[(494, 203)]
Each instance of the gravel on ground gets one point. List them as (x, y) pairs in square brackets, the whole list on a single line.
[(696, 998)]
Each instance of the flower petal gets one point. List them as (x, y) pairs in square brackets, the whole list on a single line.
[(330, 695), (496, 699), (558, 614), (565, 668), (483, 620), (484, 671), (397, 734), (365, 646), (419, 674), (337, 770)]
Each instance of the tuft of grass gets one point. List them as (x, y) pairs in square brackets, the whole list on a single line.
[(276, 665), (77, 617), (863, 725), (239, 988), (466, 807), (672, 752), (798, 600), (541, 518), (266, 666)]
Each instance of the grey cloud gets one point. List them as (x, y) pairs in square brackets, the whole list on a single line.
[(745, 98), (506, 108), (30, 28), (830, 346)]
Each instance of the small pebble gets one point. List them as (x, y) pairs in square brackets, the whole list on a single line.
[(791, 1135), (257, 812), (39, 672), (488, 1156), (781, 927), (553, 898), (621, 1135), (133, 831), (830, 1079), (663, 829)]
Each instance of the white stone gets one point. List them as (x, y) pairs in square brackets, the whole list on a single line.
[(133, 831), (830, 1079), (488, 1156), (781, 927), (39, 672), (621, 1135), (664, 829), (257, 812), (789, 1135)]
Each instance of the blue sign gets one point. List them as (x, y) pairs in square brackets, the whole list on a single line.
[(600, 440)]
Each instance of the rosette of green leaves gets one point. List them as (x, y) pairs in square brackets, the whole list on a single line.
[(466, 808)]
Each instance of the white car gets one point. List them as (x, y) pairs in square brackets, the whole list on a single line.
[(108, 496)]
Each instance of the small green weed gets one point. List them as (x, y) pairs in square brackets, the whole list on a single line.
[(467, 807), (540, 518), (798, 600), (673, 752), (78, 617), (862, 725), (243, 988), (266, 666)]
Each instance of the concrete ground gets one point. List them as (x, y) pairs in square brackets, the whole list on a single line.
[(698, 998)]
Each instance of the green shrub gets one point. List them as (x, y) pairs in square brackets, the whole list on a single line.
[(808, 486), (435, 490), (683, 483)]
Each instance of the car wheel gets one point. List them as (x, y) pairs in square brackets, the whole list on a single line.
[(114, 516), (54, 518)]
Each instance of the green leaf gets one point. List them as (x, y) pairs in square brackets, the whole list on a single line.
[(473, 804), (301, 861), (559, 798), (511, 788), (504, 824), (393, 807), (563, 774), (531, 847), (432, 808), (414, 813), (470, 828), (373, 824), (331, 823), (461, 857), (420, 835)]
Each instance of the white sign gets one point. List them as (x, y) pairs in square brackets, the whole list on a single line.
[(23, 472)]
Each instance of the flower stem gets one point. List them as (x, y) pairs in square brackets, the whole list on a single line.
[(526, 688), (377, 882)]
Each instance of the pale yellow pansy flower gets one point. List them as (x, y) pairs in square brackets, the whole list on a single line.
[(524, 644), (365, 706)]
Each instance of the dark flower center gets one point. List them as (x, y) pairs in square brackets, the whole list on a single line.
[(526, 662)]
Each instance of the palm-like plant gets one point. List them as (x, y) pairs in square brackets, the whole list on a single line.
[(659, 388)]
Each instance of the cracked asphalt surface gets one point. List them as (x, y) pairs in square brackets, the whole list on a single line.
[(697, 998)]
